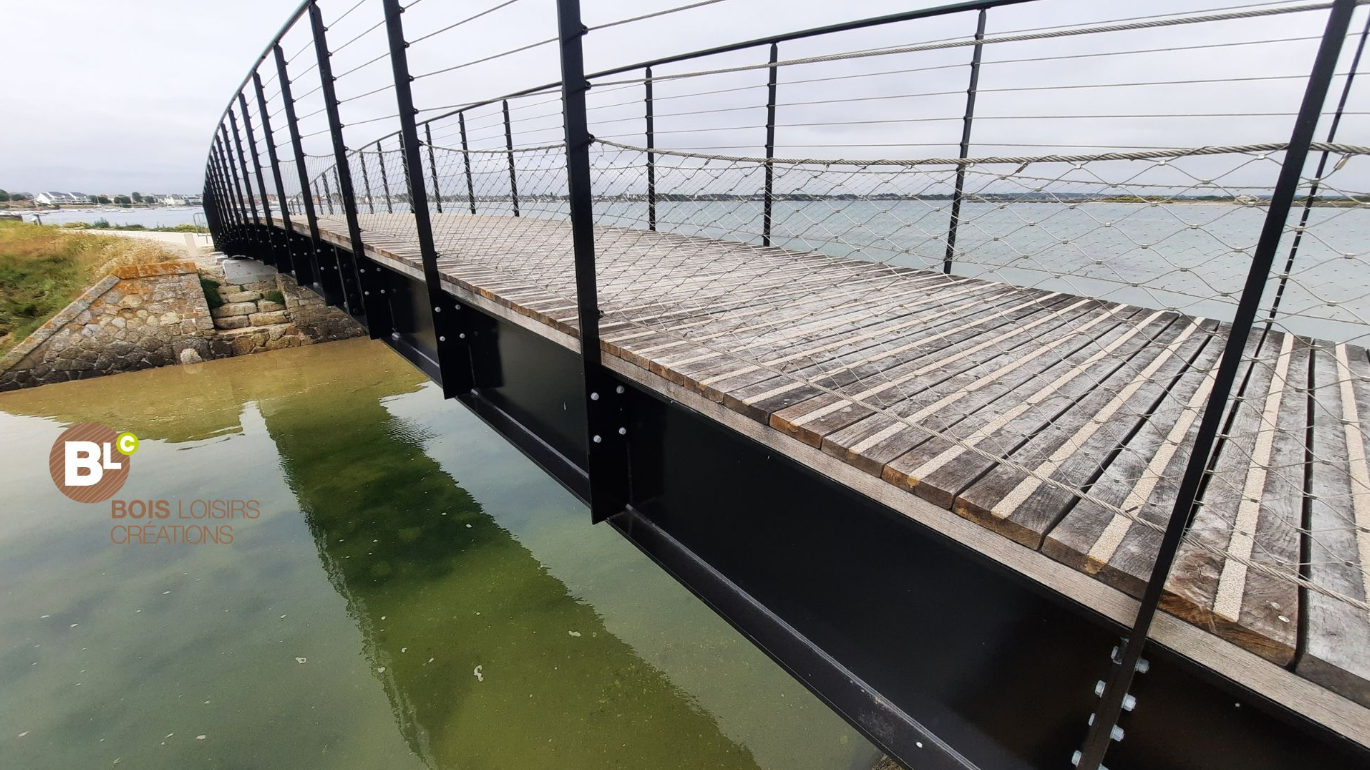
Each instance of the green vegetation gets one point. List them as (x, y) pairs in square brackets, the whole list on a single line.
[(212, 295), (103, 224), (42, 269), (274, 296)]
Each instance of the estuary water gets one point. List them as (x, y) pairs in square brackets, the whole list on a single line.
[(168, 217), (414, 593)]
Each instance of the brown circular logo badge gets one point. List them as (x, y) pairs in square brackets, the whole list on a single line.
[(89, 461)]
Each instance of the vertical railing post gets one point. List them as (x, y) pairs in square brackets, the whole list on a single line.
[(1317, 178), (210, 202), (432, 165), (769, 199), (224, 198), (385, 179), (606, 423), (327, 192), (284, 261), (214, 205), (310, 265), (268, 252), (466, 159), (224, 238), (356, 299), (404, 168), (254, 230), (453, 357), (1098, 739), (651, 156), (235, 192), (366, 181), (953, 226), (509, 146)]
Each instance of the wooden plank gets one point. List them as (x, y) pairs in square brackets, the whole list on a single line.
[(1002, 419), (1142, 480), (1336, 646), (1072, 451), (811, 425), (1252, 509), (871, 447)]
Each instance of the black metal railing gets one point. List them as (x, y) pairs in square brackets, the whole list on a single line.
[(844, 157)]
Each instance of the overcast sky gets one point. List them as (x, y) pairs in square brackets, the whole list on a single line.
[(114, 97)]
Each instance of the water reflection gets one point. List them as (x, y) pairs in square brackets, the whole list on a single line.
[(444, 630)]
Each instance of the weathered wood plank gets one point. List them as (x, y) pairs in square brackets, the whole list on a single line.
[(871, 449), (1336, 648), (1002, 419), (1073, 451), (1142, 480), (1252, 509)]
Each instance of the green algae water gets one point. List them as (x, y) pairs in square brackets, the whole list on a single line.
[(414, 593)]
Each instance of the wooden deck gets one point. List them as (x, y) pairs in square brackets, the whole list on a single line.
[(976, 397)]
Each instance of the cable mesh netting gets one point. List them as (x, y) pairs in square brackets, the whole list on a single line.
[(1050, 385)]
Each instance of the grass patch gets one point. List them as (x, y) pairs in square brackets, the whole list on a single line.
[(274, 296), (103, 224), (43, 269), (212, 295)]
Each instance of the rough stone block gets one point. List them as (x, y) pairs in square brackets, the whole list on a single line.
[(232, 322), (267, 306), (267, 319), (243, 345), (234, 308), (242, 296)]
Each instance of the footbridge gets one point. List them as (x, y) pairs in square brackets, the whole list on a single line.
[(998, 368)]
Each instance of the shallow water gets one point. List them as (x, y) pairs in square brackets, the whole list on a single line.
[(169, 217), (414, 593)]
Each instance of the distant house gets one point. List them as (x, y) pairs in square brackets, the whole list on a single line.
[(60, 198), (172, 200)]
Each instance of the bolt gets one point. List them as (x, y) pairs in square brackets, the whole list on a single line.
[(437, 310), (1129, 702), (461, 336), (1099, 688), (622, 431), (594, 396), (619, 390), (1116, 733), (442, 339), (597, 439), (1143, 665)]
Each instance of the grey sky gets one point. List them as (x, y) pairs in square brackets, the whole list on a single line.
[(117, 97)]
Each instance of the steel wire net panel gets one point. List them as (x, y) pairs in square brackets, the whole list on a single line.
[(497, 213), (1027, 335)]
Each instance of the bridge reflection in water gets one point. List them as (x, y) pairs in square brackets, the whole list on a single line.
[(588, 656)]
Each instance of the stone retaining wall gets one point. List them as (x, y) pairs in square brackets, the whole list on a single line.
[(138, 317), (144, 316)]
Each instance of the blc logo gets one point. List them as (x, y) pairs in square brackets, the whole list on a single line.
[(89, 461)]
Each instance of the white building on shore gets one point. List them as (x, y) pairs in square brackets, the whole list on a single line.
[(61, 198)]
